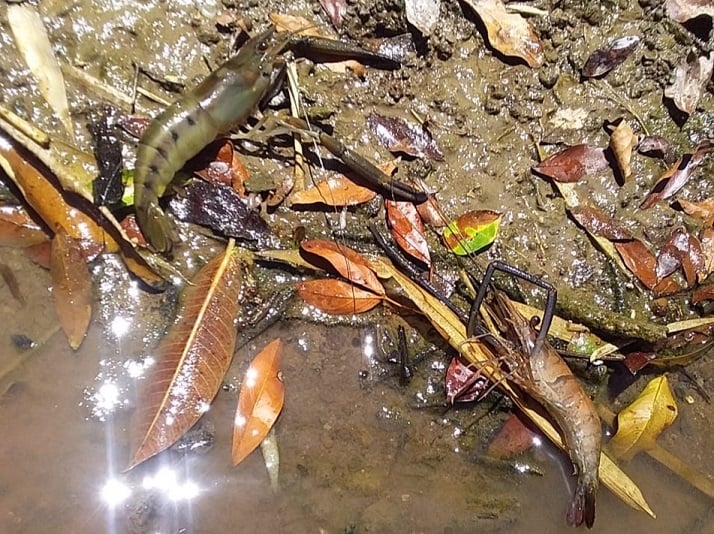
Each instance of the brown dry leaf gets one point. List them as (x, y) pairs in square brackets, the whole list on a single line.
[(337, 297), (430, 212), (639, 260), (334, 191), (35, 47), (690, 78), (644, 419), (17, 229), (605, 59), (622, 142), (703, 293), (408, 230), (509, 33), (703, 210), (600, 224), (684, 10), (514, 438), (706, 238), (191, 360), (571, 164), (260, 401), (399, 135), (348, 263), (677, 175), (682, 249), (71, 287)]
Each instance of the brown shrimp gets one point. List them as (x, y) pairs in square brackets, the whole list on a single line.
[(544, 375), (222, 101)]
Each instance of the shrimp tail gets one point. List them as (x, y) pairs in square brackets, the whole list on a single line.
[(582, 507), (158, 229)]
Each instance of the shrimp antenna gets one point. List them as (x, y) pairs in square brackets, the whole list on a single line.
[(513, 271)]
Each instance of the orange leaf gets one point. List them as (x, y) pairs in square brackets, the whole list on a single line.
[(408, 230), (191, 359), (17, 229), (350, 264), (335, 191), (72, 287), (639, 260), (336, 296), (260, 401), (573, 163)]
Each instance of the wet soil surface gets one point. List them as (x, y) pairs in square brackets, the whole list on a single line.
[(359, 451)]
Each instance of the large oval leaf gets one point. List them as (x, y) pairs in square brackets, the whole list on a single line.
[(259, 402), (571, 164), (337, 297), (191, 359), (472, 231), (407, 230)]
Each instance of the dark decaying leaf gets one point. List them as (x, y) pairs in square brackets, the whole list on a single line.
[(677, 175), (220, 208), (132, 230), (190, 361), (571, 164), (600, 224), (260, 401), (408, 230), (607, 58), (636, 361), (684, 10), (514, 438), (690, 78), (639, 260), (71, 287), (348, 263), (463, 383), (17, 229), (334, 191), (682, 248), (399, 135), (337, 297), (703, 293), (657, 146), (336, 10), (107, 187)]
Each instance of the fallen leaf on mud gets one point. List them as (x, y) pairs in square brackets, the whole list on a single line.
[(571, 164), (336, 10), (639, 425), (17, 229), (71, 287), (636, 361), (408, 230), (614, 54), (223, 167), (639, 260), (513, 439), (191, 360), (34, 45), (399, 135), (337, 297), (348, 263), (684, 10), (622, 143), (677, 175), (703, 293), (423, 14), (472, 231), (463, 383), (703, 210), (132, 230), (682, 249), (658, 147), (706, 238), (509, 33), (334, 191), (690, 78), (600, 224), (260, 401), (430, 213)]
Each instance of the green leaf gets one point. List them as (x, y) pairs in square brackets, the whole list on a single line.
[(472, 231)]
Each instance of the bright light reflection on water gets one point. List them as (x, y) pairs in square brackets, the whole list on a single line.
[(166, 482), (114, 492)]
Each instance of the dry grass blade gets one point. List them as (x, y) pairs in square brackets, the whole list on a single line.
[(191, 360), (453, 330)]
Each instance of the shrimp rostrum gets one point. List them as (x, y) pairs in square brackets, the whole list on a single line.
[(224, 100), (537, 369)]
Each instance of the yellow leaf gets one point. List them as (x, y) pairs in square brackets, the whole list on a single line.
[(644, 419)]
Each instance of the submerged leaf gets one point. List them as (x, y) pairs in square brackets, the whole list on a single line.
[(509, 33), (348, 263), (472, 231), (514, 438), (609, 57), (337, 297), (260, 401), (677, 175), (408, 230), (639, 425), (17, 229), (399, 135), (464, 383), (71, 287), (690, 79), (571, 164), (600, 224), (191, 360), (334, 191)]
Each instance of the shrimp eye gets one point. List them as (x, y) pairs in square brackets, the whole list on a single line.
[(262, 46)]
